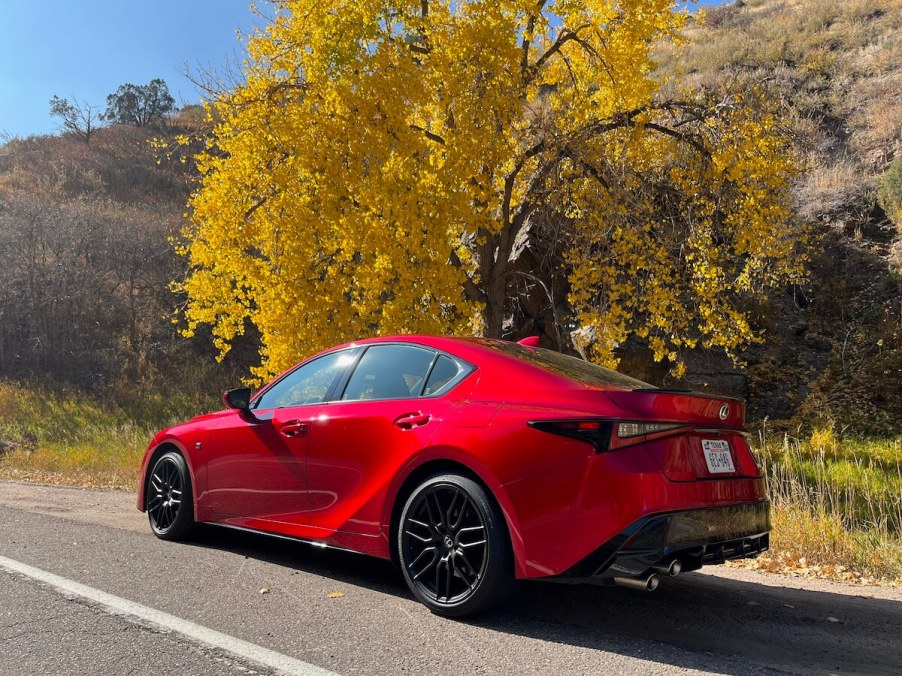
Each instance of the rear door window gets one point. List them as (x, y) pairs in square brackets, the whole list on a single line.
[(443, 373), (389, 372)]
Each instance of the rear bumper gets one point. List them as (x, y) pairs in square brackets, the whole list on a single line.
[(695, 537)]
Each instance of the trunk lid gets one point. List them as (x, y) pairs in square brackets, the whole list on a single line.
[(710, 447), (685, 407)]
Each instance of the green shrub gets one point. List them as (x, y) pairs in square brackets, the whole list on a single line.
[(890, 193)]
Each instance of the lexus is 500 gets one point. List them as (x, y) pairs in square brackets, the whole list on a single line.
[(471, 463)]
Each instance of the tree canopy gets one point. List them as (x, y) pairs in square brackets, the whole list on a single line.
[(140, 105), (432, 165)]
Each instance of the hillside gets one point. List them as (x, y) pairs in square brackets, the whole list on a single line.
[(838, 66), (86, 259), (833, 348)]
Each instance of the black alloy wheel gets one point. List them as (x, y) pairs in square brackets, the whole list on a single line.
[(168, 497), (454, 548)]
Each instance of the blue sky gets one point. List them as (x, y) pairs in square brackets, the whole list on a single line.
[(84, 49)]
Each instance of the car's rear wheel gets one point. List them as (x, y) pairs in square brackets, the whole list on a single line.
[(169, 501), (454, 548)]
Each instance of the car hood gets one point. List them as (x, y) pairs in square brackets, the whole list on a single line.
[(202, 420)]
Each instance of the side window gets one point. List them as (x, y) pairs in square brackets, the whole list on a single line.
[(308, 384), (444, 371), (389, 372)]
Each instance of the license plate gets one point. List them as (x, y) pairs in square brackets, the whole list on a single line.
[(717, 456)]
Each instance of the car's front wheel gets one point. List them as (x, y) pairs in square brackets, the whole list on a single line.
[(168, 496), (453, 547)]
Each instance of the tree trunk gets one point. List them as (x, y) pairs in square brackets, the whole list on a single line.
[(493, 313)]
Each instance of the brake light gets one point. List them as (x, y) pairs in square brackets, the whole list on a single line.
[(595, 432)]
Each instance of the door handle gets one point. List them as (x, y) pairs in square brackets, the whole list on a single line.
[(293, 428), (410, 420)]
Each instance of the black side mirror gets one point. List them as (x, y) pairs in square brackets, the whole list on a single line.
[(239, 399)]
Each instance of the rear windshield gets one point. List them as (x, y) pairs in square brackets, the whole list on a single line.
[(564, 365)]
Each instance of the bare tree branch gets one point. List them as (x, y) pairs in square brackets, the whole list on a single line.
[(473, 292), (432, 136), (511, 178), (528, 36), (549, 295), (82, 119), (685, 138), (565, 36)]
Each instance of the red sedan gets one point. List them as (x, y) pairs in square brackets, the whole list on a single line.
[(470, 462)]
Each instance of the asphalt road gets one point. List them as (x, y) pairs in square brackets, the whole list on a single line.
[(351, 614)]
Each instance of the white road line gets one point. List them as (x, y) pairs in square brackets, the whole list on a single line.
[(119, 606)]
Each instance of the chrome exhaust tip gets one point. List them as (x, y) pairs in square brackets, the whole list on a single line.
[(642, 584), (673, 569)]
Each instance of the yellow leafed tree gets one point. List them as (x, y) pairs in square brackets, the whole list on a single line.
[(385, 164)]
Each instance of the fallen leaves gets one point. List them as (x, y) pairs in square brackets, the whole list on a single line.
[(785, 563), (75, 478)]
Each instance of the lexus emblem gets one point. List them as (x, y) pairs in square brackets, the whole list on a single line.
[(724, 411)]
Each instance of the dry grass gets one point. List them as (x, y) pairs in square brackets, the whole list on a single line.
[(838, 66), (836, 507), (69, 438)]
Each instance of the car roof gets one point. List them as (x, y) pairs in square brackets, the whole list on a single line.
[(500, 363)]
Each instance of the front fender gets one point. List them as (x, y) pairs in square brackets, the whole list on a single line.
[(159, 442)]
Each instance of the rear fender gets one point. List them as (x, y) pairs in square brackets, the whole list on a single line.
[(449, 454)]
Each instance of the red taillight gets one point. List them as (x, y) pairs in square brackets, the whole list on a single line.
[(588, 426), (607, 435), (595, 432)]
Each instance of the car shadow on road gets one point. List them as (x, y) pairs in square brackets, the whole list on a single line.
[(741, 622), (343, 566), (798, 631)]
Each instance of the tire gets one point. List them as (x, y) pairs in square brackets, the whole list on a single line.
[(168, 498), (454, 548)]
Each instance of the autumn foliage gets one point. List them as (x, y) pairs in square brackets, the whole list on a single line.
[(425, 166)]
